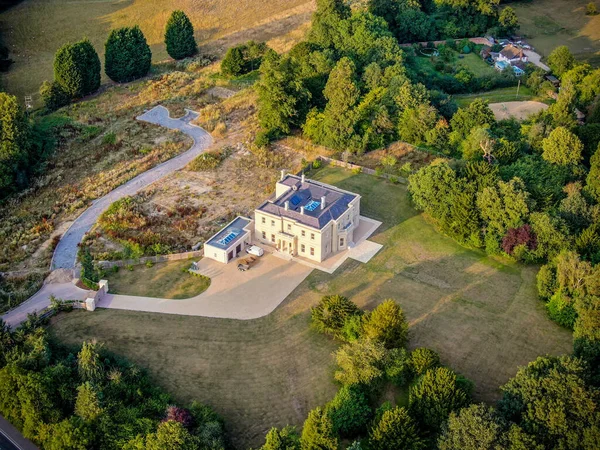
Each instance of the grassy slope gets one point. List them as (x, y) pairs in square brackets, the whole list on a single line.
[(164, 280), (550, 23), (475, 64), (35, 29), (480, 314)]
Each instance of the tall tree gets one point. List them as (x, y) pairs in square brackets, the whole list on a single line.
[(342, 94), (562, 147), (561, 60), (285, 439), (327, 22), (477, 427), (318, 432), (387, 324), (395, 431), (179, 36), (282, 98), (77, 68), (435, 396), (127, 54), (14, 144), (592, 186)]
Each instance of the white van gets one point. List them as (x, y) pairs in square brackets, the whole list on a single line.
[(255, 250)]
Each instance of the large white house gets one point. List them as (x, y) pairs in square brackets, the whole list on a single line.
[(512, 55), (307, 218)]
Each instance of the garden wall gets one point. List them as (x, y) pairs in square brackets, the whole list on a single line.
[(153, 259)]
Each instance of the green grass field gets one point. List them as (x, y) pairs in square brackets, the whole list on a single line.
[(480, 313), (508, 94), (163, 280), (550, 23)]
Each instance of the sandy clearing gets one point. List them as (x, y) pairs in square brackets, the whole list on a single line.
[(518, 110)]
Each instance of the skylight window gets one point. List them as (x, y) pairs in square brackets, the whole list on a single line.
[(312, 205)]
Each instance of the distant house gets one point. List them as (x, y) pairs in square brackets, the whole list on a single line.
[(512, 55)]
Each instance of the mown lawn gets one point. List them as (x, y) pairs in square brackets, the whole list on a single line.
[(550, 23), (481, 314), (163, 280), (475, 64), (507, 94)]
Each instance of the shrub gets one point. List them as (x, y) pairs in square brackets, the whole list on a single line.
[(205, 161), (522, 235), (422, 359), (53, 96), (127, 54), (129, 267), (242, 59), (387, 324), (561, 309), (316, 164), (357, 170), (398, 367), (331, 314), (181, 415), (361, 362), (77, 68), (149, 264), (109, 138), (179, 36), (546, 281), (349, 411)]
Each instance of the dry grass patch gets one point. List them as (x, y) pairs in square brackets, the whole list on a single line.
[(550, 23), (35, 29), (163, 280)]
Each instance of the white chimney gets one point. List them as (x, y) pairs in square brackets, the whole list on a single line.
[(302, 210), (323, 202), (282, 174), (287, 205), (303, 177)]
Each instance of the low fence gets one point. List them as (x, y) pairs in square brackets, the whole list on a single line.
[(347, 165), (153, 259)]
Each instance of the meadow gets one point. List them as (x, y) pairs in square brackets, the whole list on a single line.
[(480, 313), (548, 24), (34, 29)]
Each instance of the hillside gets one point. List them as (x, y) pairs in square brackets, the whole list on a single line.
[(34, 29)]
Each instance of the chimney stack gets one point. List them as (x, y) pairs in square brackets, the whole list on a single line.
[(302, 210), (323, 202), (287, 205), (282, 174), (303, 177)]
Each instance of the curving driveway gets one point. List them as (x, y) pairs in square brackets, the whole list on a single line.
[(65, 255)]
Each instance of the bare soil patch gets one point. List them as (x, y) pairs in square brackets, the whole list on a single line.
[(518, 110)]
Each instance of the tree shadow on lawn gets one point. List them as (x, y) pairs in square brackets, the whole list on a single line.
[(482, 316)]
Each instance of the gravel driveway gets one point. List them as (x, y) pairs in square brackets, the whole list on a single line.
[(65, 254)]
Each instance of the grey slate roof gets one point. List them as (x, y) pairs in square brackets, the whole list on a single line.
[(301, 194), (235, 227)]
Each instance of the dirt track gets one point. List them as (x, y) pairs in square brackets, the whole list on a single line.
[(518, 110)]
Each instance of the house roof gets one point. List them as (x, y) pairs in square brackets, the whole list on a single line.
[(511, 52), (309, 194), (231, 234)]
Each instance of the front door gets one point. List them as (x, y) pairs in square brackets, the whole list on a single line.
[(284, 246)]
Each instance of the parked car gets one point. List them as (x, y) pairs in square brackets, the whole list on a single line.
[(255, 250), (247, 263)]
